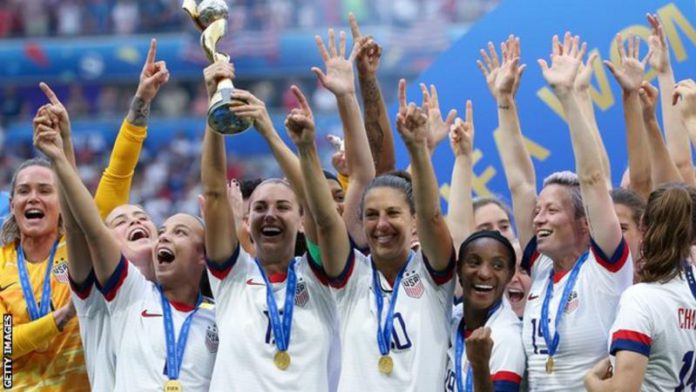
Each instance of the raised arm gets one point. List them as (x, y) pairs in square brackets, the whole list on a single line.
[(115, 183), (582, 85), (287, 160), (377, 124), (603, 223), (333, 239), (220, 235), (460, 216), (663, 168), (503, 81), (629, 74), (686, 91), (340, 81), (434, 236), (676, 135), (103, 247)]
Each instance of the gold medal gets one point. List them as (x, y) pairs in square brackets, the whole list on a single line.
[(549, 365), (282, 360), (385, 364), (173, 386)]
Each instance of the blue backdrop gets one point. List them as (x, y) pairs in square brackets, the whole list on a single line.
[(457, 77)]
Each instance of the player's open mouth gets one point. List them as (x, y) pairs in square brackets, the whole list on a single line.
[(515, 295), (138, 234), (165, 255), (271, 231), (33, 213), (543, 233), (482, 288)]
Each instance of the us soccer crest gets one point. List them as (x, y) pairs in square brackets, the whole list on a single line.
[(301, 294), (413, 285), (60, 271), (211, 339), (573, 302)]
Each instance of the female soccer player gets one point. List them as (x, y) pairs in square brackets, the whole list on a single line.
[(171, 328), (275, 313), (579, 262), (654, 336), (394, 305), (485, 326)]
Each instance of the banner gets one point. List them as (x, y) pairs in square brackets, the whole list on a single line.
[(542, 120)]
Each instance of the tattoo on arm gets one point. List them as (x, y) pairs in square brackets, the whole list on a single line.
[(139, 112), (504, 107), (374, 109)]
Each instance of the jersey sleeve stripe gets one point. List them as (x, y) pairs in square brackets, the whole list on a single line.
[(505, 386), (317, 269), (616, 261), (530, 255), (116, 279), (221, 270), (444, 276), (504, 375), (630, 341), (341, 280), (83, 289)]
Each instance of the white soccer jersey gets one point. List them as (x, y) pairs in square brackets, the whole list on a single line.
[(584, 327), (659, 321), (420, 336), (135, 316), (95, 334), (245, 361), (507, 362)]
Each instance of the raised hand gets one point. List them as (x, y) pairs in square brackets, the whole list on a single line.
[(502, 79), (339, 77), (300, 121), (153, 75), (686, 91), (216, 72), (462, 133), (255, 109), (582, 81), (659, 61), (369, 53), (234, 197), (439, 128), (57, 109), (411, 121), (630, 71), (46, 135), (565, 61), (339, 162), (648, 99), (479, 346)]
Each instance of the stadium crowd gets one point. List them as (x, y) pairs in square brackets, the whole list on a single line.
[(353, 279)]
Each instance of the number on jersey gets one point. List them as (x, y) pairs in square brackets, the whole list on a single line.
[(686, 382)]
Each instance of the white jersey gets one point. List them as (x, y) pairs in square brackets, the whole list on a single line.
[(588, 315), (245, 361), (95, 334), (659, 321), (420, 337), (507, 362), (136, 322)]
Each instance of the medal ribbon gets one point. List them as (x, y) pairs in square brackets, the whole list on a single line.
[(690, 278), (459, 351), (28, 291), (384, 334), (552, 344), (175, 348), (281, 331)]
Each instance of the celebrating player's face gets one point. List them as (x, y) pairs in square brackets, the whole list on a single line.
[(631, 232), (492, 217), (388, 223), (338, 194), (179, 253), (274, 217), (484, 272), (557, 230), (134, 230), (34, 201)]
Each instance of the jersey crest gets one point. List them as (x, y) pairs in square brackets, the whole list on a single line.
[(211, 338), (413, 285), (60, 271), (301, 294), (573, 302)]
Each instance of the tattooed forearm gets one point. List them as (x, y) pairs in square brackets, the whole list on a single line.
[(139, 112), (377, 125)]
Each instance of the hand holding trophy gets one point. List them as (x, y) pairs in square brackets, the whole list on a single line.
[(210, 17)]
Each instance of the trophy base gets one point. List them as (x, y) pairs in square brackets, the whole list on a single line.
[(222, 120)]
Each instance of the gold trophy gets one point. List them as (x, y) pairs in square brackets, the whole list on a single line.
[(210, 17)]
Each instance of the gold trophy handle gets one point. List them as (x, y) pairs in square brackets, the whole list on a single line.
[(210, 37)]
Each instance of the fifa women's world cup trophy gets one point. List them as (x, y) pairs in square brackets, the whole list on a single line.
[(210, 17)]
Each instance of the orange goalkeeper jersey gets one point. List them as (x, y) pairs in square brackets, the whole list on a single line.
[(44, 359)]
